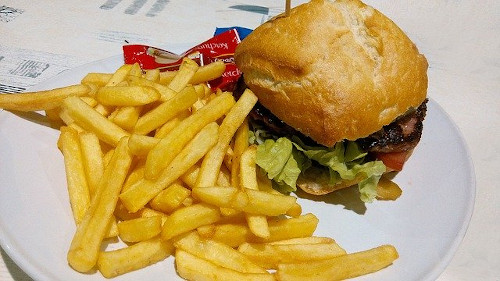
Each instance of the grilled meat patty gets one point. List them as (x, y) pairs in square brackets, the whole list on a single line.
[(402, 135)]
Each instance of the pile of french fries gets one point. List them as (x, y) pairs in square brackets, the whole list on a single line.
[(163, 162)]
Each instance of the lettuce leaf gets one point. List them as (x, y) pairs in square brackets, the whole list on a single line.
[(283, 160)]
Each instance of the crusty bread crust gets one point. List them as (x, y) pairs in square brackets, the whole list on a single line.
[(333, 70)]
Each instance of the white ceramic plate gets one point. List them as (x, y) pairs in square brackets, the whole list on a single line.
[(426, 224)]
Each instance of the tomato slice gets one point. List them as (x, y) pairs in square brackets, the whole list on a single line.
[(393, 160)]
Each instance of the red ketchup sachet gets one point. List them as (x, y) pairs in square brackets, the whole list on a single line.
[(219, 47)]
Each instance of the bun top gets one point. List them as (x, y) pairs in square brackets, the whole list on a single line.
[(333, 70)]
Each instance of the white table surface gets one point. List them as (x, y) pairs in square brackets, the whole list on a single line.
[(461, 40)]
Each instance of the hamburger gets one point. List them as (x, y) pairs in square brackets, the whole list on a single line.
[(342, 96)]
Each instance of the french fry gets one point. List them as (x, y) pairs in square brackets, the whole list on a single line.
[(213, 160), (84, 248), (387, 189), (141, 145), (186, 71), (240, 144), (170, 198), (139, 229), (231, 234), (126, 117), (144, 190), (248, 179), (208, 72), (235, 234), (171, 124), (135, 175), (250, 201), (189, 218), (203, 74), (123, 214), (340, 268), (164, 152), (42, 100), (89, 119), (165, 92), (112, 228), (104, 110), (283, 229), (152, 74), (137, 256), (166, 111), (119, 75), (191, 267), (135, 70), (78, 190), (127, 95), (269, 255), (215, 195), (217, 253), (92, 159), (262, 203), (95, 78)]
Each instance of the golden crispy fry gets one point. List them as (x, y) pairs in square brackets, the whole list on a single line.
[(111, 229), (139, 229), (170, 198), (92, 159), (94, 78), (42, 100), (119, 75), (217, 253), (340, 268), (231, 234), (282, 229), (152, 75), (126, 117), (104, 110), (89, 119), (191, 267), (213, 160), (189, 218), (135, 70), (139, 255), (235, 234), (269, 255), (187, 69), (144, 190), (165, 151), (240, 144), (127, 95), (84, 249), (304, 240), (262, 203), (248, 179), (141, 145), (204, 73), (215, 195), (208, 72), (165, 92), (295, 210), (387, 189), (123, 214), (166, 111), (250, 201), (78, 189), (171, 124)]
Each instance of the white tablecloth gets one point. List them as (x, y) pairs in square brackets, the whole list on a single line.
[(461, 40)]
